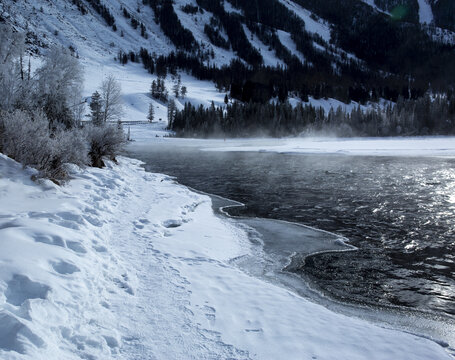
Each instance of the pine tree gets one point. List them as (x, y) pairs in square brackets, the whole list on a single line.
[(171, 112), (176, 87), (96, 109), (151, 114), (153, 89), (183, 92)]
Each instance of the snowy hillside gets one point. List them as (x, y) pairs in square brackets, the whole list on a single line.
[(322, 47)]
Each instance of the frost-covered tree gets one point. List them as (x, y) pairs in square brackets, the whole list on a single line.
[(12, 47), (111, 95), (27, 138), (96, 108), (151, 113), (59, 86)]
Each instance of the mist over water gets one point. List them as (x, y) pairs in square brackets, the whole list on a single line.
[(399, 212)]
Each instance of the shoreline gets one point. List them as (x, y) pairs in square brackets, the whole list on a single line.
[(129, 264), (413, 321)]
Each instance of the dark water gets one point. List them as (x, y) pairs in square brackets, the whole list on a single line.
[(399, 212)]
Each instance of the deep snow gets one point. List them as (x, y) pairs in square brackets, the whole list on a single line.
[(120, 263)]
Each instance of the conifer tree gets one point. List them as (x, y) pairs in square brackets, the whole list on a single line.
[(171, 111), (183, 92), (151, 113), (176, 87), (96, 109)]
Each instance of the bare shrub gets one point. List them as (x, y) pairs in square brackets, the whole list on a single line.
[(104, 141), (27, 139)]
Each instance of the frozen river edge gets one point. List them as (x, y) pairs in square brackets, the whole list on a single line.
[(121, 263)]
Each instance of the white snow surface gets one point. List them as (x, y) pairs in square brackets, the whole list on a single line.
[(373, 5), (195, 23), (286, 40), (393, 146), (425, 12), (319, 27), (269, 56), (228, 7), (124, 264), (135, 82)]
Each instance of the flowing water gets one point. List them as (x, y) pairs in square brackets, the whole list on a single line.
[(398, 211)]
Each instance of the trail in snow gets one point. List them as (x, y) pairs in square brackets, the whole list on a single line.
[(157, 322)]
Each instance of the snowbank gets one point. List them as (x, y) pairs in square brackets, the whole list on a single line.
[(121, 263)]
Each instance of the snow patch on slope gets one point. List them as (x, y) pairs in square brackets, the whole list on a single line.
[(374, 6), (318, 27), (425, 12), (229, 8), (269, 56), (195, 23), (286, 40)]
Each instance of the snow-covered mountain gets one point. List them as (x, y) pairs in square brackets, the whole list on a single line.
[(349, 50)]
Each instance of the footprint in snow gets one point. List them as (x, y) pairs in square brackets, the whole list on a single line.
[(124, 285), (21, 288), (254, 330), (76, 247), (50, 240), (172, 223), (64, 268)]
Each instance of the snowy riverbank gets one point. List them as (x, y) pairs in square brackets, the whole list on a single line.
[(120, 263)]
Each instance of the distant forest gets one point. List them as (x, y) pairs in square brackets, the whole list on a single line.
[(426, 116)]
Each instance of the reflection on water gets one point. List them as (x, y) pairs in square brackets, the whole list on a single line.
[(399, 212)]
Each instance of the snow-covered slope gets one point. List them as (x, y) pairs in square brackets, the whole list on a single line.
[(286, 40), (124, 264), (374, 6), (135, 83), (269, 56), (195, 23), (61, 23), (318, 27)]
